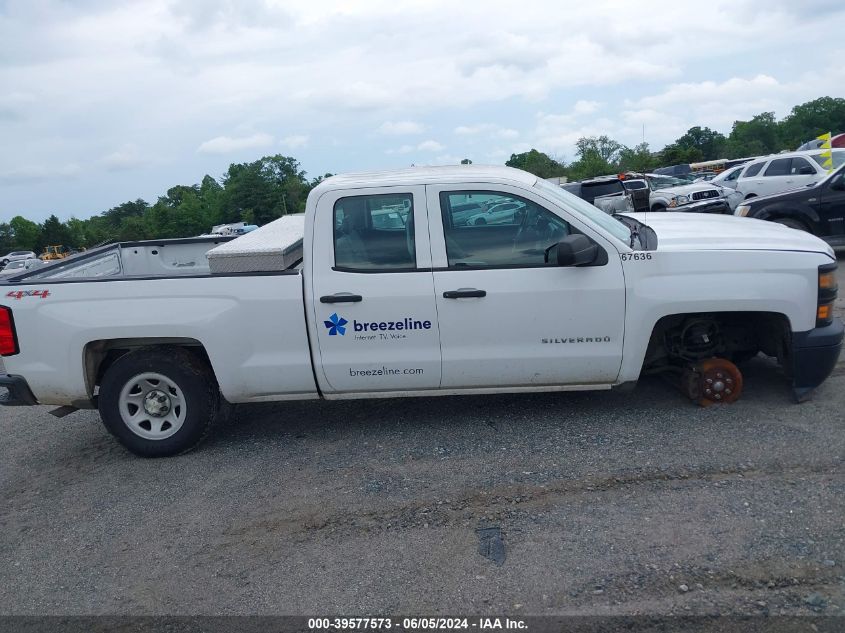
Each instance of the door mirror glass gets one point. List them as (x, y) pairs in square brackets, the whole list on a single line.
[(806, 170), (573, 250)]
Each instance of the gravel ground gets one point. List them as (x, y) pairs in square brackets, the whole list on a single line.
[(579, 503)]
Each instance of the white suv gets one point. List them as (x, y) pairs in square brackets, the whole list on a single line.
[(15, 256), (780, 172)]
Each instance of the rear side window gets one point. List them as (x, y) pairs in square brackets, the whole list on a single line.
[(733, 175), (801, 166), (779, 167), (753, 170), (374, 233)]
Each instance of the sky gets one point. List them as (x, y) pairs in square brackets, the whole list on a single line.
[(103, 102)]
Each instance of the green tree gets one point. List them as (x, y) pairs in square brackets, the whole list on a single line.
[(711, 144), (604, 147), (674, 154), (26, 234), (53, 233), (537, 163), (811, 119), (639, 159), (758, 136)]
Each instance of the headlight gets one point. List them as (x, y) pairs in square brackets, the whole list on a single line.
[(742, 210), (677, 201)]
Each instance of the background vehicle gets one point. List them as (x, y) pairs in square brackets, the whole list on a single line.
[(15, 256), (728, 177), (669, 192), (564, 298), (52, 253), (838, 140), (20, 266), (780, 172), (818, 209), (499, 213)]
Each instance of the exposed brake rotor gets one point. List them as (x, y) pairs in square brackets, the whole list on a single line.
[(712, 381)]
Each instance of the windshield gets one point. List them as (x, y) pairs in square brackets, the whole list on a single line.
[(573, 203), (838, 159), (15, 265), (661, 182)]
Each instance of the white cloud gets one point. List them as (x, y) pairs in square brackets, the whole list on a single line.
[(425, 146), (127, 157), (39, 173), (401, 128), (295, 141), (228, 144), (77, 75), (585, 107), (486, 129), (430, 146)]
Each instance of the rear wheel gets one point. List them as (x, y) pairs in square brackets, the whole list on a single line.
[(159, 401)]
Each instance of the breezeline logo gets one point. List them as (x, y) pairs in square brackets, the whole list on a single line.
[(336, 325)]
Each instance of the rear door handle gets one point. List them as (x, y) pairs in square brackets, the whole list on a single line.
[(341, 297), (464, 292)]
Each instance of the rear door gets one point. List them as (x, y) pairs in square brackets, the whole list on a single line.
[(507, 319), (374, 308)]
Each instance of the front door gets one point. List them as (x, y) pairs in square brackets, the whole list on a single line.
[(506, 317), (373, 292)]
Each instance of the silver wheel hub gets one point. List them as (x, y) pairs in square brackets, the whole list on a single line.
[(152, 406), (157, 403)]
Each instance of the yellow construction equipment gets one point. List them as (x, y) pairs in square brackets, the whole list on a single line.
[(53, 252)]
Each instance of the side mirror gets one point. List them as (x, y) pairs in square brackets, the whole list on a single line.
[(806, 170), (838, 184), (573, 250)]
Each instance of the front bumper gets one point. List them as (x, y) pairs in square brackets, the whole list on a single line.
[(713, 205), (814, 356), (19, 394)]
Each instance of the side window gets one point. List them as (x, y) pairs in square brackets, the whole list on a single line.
[(753, 170), (374, 233), (801, 167), (494, 229), (778, 167), (733, 175)]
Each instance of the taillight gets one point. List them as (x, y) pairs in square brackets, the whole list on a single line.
[(8, 337), (828, 289)]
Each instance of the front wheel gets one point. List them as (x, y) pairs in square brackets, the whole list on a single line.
[(159, 401)]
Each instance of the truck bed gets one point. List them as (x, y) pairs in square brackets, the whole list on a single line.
[(276, 247)]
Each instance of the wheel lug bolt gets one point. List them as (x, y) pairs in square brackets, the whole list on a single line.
[(709, 381), (718, 396), (727, 391)]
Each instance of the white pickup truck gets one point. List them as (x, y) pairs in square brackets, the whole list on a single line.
[(397, 295)]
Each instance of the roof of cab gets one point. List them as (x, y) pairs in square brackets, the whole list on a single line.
[(428, 176)]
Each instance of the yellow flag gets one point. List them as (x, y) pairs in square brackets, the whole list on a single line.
[(825, 139), (828, 161)]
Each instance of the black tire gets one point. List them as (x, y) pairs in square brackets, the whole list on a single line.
[(792, 223), (480, 221), (658, 208), (196, 384)]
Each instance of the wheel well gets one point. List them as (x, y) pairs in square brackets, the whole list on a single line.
[(99, 355), (750, 195), (657, 207), (782, 216), (680, 339)]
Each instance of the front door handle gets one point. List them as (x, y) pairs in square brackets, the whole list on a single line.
[(341, 297), (464, 292)]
